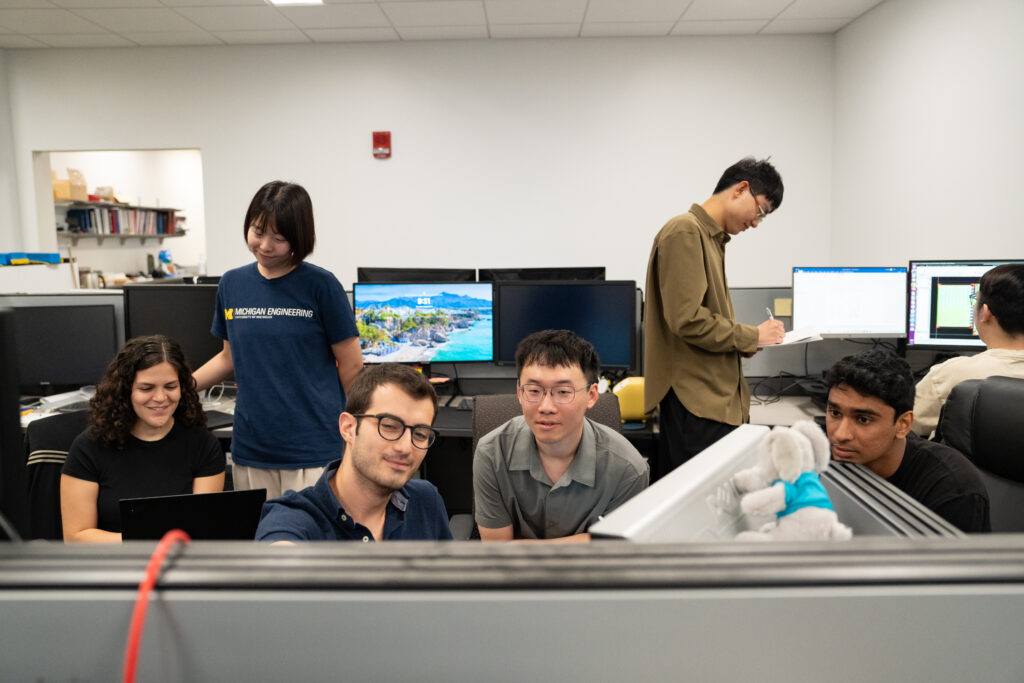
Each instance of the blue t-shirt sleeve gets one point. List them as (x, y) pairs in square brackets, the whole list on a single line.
[(338, 319), (219, 327)]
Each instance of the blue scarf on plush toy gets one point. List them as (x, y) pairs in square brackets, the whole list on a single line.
[(806, 492)]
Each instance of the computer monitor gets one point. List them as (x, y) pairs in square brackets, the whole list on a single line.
[(384, 275), (61, 348), (536, 274), (182, 312), (603, 313), (940, 303), (450, 322), (851, 302)]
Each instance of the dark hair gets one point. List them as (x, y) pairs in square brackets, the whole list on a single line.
[(1002, 289), (761, 175), (360, 395), (558, 348), (288, 210), (111, 415), (877, 373)]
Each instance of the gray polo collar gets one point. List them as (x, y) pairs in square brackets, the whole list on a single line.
[(582, 469)]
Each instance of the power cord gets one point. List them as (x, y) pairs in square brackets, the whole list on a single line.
[(131, 652)]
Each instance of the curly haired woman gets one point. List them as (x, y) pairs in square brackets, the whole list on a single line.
[(147, 436)]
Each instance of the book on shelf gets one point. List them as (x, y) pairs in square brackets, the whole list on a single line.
[(82, 219)]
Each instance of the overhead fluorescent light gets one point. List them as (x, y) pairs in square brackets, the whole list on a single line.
[(295, 2)]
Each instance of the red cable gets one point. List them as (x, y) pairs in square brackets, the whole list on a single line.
[(131, 653)]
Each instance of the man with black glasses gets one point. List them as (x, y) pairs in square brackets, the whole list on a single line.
[(369, 494), (551, 473)]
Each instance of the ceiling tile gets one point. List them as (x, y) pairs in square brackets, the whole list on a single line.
[(816, 9), (441, 32), (637, 28), (45, 21), (805, 25), (351, 35), (361, 15), (535, 12), (535, 30), (148, 19), (174, 38), (717, 10), (15, 42), (84, 40), (236, 18), (263, 37), (26, 4), (719, 28), (436, 13), (213, 3), (635, 10), (107, 4)]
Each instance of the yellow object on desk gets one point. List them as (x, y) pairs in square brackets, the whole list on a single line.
[(631, 399)]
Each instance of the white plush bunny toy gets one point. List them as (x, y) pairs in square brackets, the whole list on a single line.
[(785, 483)]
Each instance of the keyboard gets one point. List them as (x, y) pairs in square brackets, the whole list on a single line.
[(73, 407)]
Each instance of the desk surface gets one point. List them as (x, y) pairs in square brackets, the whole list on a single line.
[(785, 411)]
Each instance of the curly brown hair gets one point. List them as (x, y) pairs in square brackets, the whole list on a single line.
[(111, 416)]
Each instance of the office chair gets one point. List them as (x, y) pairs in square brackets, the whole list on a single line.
[(490, 412), (982, 418), (47, 442)]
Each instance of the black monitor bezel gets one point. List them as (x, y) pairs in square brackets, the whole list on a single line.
[(127, 289), (365, 275), (578, 273), (501, 360)]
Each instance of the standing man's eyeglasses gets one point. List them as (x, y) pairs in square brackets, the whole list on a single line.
[(761, 213)]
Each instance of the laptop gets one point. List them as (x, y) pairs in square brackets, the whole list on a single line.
[(225, 515), (216, 419)]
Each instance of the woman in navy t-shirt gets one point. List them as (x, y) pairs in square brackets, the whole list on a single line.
[(290, 339), (147, 437)]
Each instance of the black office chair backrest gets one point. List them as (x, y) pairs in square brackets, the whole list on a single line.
[(47, 442), (490, 412), (984, 420)]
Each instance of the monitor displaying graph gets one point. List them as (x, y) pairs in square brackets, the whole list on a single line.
[(940, 302), (425, 322)]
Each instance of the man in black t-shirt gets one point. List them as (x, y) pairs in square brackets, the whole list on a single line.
[(868, 420)]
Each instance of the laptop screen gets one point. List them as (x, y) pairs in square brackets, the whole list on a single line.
[(225, 515)]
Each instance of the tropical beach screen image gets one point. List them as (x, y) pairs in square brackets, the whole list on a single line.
[(425, 323)]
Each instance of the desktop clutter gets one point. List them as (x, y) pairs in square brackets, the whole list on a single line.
[(785, 484)]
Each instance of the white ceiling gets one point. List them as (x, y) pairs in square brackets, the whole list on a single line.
[(132, 23)]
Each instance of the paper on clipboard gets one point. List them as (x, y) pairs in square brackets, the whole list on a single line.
[(802, 336)]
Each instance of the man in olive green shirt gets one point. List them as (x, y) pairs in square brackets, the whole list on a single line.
[(692, 343)]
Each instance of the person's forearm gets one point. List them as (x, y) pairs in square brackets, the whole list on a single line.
[(94, 536), (213, 371)]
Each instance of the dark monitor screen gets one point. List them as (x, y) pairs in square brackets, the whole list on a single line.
[(182, 312), (940, 303), (449, 322), (603, 313), (536, 274), (60, 348), (379, 275)]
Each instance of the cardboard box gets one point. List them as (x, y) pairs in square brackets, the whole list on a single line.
[(61, 188), (77, 180)]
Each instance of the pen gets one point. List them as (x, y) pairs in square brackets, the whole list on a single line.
[(769, 312)]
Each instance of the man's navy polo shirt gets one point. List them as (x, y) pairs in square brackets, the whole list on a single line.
[(415, 513)]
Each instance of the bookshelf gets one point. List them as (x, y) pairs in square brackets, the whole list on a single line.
[(110, 220)]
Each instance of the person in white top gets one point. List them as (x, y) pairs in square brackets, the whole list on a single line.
[(999, 320)]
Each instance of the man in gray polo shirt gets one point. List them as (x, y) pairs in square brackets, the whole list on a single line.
[(552, 472)]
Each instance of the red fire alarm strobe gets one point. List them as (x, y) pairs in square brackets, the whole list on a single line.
[(382, 144)]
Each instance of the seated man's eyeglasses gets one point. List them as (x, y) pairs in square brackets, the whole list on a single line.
[(534, 393), (392, 428)]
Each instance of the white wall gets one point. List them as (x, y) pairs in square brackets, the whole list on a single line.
[(164, 178), (10, 235), (506, 153), (929, 145)]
